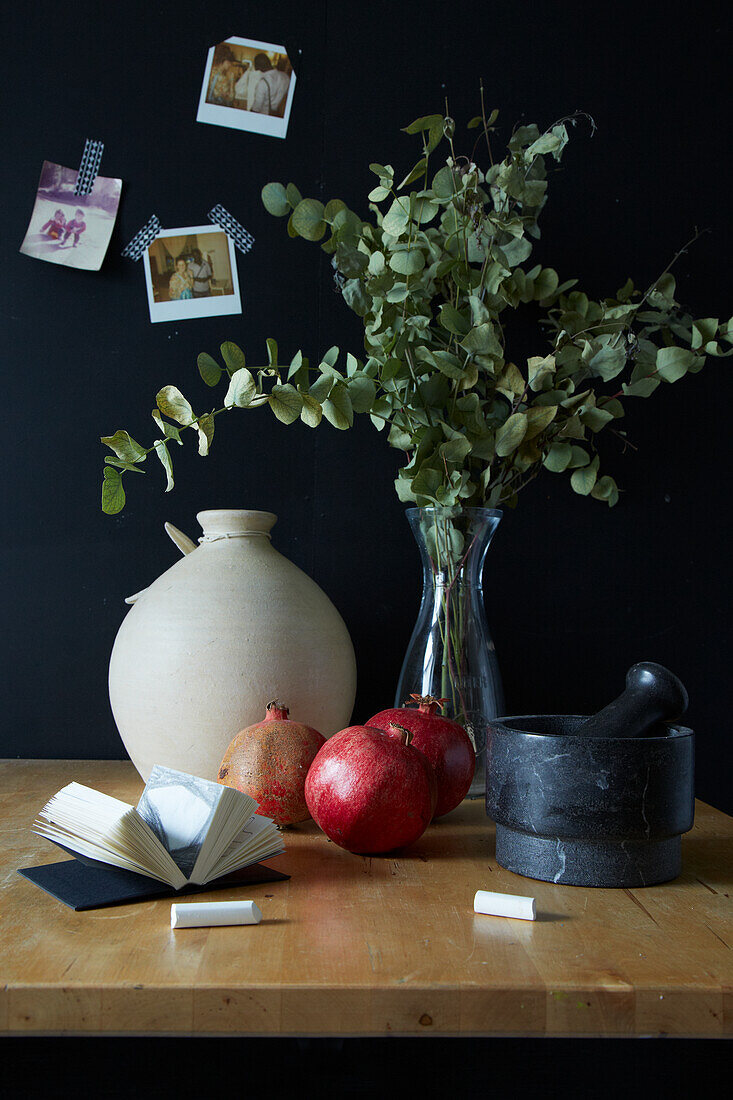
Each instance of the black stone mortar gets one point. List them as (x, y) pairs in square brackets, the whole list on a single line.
[(581, 810)]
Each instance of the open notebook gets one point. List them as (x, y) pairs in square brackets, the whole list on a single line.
[(184, 830)]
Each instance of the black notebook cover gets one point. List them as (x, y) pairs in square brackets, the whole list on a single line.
[(93, 886)]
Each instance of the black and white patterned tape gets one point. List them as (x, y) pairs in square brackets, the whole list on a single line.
[(238, 234), (90, 160), (141, 240)]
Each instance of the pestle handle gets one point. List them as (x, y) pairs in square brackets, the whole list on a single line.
[(653, 694)]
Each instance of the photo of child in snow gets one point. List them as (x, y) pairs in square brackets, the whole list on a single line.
[(70, 229)]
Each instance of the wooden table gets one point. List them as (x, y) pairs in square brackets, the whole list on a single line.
[(368, 946)]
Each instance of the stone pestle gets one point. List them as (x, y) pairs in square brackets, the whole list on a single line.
[(653, 694)]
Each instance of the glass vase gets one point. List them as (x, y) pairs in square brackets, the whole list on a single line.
[(451, 655)]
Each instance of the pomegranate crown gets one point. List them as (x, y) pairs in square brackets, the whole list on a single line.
[(426, 703), (280, 708), (405, 734)]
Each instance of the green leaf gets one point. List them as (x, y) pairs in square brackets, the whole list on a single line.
[(510, 434), (595, 418), (445, 183), (308, 219), (321, 387), (337, 408), (456, 449), (296, 364), (551, 142), (440, 128), (172, 403), (275, 199), (511, 382), (205, 429), (233, 356), (293, 195), (452, 320), (584, 479), (475, 121), (330, 358), (169, 431), (378, 193), (606, 489), (608, 362), (407, 262), (162, 452), (271, 351), (385, 173), (540, 370), (479, 313), (447, 364), (311, 412), (398, 293), (662, 294), (241, 390), (426, 482), (642, 387), (396, 219), (124, 446), (333, 207), (209, 369), (362, 392), (425, 123), (376, 263), (113, 495), (483, 340), (539, 417), (356, 297), (349, 260), (704, 331), (285, 402), (546, 283), (399, 438), (673, 363), (516, 251), (558, 457), (417, 171)]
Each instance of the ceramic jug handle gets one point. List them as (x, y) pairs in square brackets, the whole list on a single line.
[(183, 542)]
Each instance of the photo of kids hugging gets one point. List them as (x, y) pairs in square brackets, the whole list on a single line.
[(70, 229), (247, 85)]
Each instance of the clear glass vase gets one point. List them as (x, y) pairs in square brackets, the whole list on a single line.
[(451, 655)]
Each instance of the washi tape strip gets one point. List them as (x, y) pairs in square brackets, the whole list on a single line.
[(141, 240), (90, 160), (238, 234)]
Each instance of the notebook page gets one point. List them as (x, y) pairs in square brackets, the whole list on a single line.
[(180, 809)]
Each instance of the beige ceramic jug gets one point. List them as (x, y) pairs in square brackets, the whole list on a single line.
[(225, 630)]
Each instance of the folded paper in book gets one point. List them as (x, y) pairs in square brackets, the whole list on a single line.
[(184, 829)]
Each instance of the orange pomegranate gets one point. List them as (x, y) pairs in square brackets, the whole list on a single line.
[(270, 761)]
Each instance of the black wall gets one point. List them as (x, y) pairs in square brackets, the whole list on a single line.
[(575, 591)]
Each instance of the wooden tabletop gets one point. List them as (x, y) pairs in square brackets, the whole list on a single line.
[(368, 946)]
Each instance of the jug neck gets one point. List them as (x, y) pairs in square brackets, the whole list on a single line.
[(235, 523)]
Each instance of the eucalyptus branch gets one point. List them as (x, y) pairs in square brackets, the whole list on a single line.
[(430, 275)]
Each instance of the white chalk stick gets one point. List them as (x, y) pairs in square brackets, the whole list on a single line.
[(206, 914), (504, 905)]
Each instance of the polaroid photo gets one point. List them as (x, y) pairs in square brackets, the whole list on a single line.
[(247, 85), (73, 230), (191, 272)]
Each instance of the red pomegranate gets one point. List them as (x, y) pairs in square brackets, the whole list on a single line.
[(270, 761), (445, 743), (370, 790)]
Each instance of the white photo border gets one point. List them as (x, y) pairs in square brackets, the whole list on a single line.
[(218, 305), (235, 118)]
